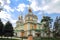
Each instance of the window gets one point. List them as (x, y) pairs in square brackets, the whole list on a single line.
[(28, 18)]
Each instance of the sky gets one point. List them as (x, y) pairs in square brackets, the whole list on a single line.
[(13, 8)]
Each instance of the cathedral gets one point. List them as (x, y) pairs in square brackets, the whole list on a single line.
[(29, 26)]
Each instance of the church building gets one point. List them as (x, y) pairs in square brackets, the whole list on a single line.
[(29, 25)]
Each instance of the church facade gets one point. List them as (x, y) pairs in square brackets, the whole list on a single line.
[(29, 26)]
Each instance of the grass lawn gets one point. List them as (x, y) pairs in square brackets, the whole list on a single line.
[(50, 38), (7, 39), (46, 38), (34, 39)]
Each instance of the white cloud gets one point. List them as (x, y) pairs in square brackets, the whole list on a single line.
[(54, 7), (6, 14), (34, 5), (8, 8), (5, 5), (51, 6), (5, 2), (13, 22), (21, 7), (8, 1), (7, 17)]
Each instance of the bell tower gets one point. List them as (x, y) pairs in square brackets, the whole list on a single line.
[(19, 23), (20, 18)]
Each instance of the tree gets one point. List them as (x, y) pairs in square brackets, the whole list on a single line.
[(47, 23), (1, 28), (8, 29), (57, 27), (47, 19)]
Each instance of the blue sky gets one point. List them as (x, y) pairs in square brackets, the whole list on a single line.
[(13, 8)]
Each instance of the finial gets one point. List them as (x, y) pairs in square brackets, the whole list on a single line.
[(20, 16), (30, 8), (43, 14)]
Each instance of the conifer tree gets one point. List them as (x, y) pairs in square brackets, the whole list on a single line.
[(8, 29), (1, 28)]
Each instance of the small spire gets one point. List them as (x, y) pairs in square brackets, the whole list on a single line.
[(20, 16), (43, 14)]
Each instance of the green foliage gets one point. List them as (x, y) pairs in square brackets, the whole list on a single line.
[(1, 28), (57, 27), (46, 19), (8, 29), (46, 38)]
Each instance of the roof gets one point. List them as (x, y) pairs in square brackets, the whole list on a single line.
[(30, 14), (32, 23)]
